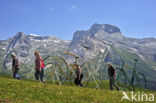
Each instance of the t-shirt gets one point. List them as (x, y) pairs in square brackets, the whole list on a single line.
[(111, 71), (15, 63), (37, 63), (77, 71)]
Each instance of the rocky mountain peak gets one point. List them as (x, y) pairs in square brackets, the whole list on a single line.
[(79, 36), (104, 31), (105, 28), (20, 34), (19, 39)]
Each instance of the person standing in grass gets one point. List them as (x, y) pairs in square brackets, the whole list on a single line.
[(39, 67), (112, 76), (79, 76), (15, 66)]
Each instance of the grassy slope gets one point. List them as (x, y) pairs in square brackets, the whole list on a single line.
[(27, 91)]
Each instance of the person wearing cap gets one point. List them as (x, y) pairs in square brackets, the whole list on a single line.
[(39, 67), (15, 66), (112, 76)]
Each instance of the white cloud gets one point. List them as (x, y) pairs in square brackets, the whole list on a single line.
[(73, 7), (52, 9)]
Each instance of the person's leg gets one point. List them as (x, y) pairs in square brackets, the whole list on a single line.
[(17, 76), (79, 84), (115, 84), (76, 81), (36, 74), (111, 83), (41, 75), (81, 79), (15, 73)]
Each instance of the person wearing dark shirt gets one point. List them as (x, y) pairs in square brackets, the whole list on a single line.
[(15, 66), (112, 76), (79, 76)]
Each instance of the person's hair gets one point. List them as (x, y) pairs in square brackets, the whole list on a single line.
[(13, 54), (36, 52), (109, 63)]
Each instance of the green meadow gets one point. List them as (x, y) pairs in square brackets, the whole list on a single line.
[(31, 91)]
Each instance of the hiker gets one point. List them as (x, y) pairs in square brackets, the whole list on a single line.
[(39, 67), (15, 66), (79, 76), (112, 76)]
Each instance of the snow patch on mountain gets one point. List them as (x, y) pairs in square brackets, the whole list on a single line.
[(34, 35), (4, 48), (56, 41), (102, 50)]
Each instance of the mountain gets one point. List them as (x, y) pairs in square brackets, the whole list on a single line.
[(102, 36), (101, 43), (98, 38), (106, 43), (24, 46)]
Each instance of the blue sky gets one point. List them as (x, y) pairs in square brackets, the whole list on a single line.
[(61, 18)]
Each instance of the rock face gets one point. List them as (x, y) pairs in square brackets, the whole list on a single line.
[(94, 38), (104, 29)]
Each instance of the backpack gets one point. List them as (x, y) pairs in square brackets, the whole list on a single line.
[(42, 63)]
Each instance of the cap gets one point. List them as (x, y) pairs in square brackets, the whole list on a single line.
[(109, 63), (13, 54)]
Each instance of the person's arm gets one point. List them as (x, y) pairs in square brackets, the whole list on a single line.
[(40, 63), (108, 74), (13, 67), (35, 65), (114, 73), (17, 63), (80, 71)]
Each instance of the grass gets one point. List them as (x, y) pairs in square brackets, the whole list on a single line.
[(30, 91)]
